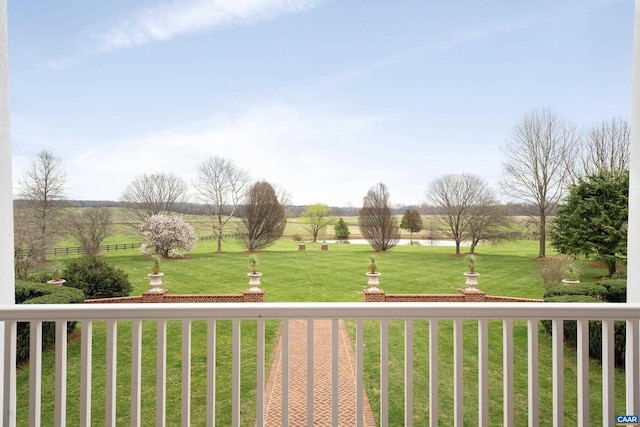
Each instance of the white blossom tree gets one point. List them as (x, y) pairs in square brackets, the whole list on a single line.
[(167, 236)]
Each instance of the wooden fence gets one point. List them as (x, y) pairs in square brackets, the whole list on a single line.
[(106, 248)]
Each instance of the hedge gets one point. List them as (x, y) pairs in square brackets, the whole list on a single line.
[(616, 290), (31, 293), (596, 291), (571, 298), (605, 291)]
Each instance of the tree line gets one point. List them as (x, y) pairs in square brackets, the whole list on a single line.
[(543, 158)]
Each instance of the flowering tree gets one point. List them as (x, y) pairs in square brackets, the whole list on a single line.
[(167, 236)]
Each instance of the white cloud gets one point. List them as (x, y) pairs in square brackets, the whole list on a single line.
[(440, 43), (182, 17), (313, 155)]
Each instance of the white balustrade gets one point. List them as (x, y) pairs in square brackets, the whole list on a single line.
[(239, 313)]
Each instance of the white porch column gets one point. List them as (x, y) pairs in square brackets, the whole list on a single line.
[(7, 281), (633, 267), (7, 285), (633, 245)]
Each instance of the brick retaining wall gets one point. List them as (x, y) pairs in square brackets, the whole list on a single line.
[(465, 295), (164, 297)]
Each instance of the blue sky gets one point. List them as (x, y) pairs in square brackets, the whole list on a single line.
[(322, 98)]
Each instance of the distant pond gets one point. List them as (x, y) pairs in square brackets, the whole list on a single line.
[(420, 242)]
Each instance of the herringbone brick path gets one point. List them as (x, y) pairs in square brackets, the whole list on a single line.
[(321, 379)]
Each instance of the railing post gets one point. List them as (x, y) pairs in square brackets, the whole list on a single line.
[(235, 372), (136, 372), (9, 386), (532, 351), (583, 371), (433, 372), (112, 369), (557, 350), (507, 356), (458, 377), (483, 373), (35, 373), (211, 373), (633, 366), (61, 374), (384, 373), (186, 373), (86, 370), (161, 373), (608, 364), (408, 373)]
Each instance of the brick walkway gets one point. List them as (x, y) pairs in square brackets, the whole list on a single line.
[(321, 379)]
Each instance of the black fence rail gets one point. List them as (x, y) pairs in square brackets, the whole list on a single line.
[(76, 250)]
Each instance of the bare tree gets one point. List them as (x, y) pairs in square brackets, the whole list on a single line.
[(486, 222), (42, 190), (152, 194), (90, 227), (463, 202), (25, 239), (606, 147), (263, 217), (220, 186), (377, 223), (536, 166)]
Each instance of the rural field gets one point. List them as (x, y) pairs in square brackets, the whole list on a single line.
[(336, 275)]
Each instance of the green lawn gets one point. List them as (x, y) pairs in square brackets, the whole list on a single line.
[(334, 275)]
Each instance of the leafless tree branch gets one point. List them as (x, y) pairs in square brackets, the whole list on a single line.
[(536, 167), (152, 194), (220, 186)]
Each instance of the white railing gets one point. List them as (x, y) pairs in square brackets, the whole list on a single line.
[(409, 313)]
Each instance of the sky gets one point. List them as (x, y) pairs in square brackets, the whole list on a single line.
[(322, 98)]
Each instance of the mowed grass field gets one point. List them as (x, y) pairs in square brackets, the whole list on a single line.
[(336, 275)]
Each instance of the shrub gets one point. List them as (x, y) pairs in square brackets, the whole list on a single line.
[(595, 337), (27, 293), (616, 290), (571, 298), (297, 237), (596, 291), (604, 291), (97, 278), (552, 271), (40, 276), (620, 274)]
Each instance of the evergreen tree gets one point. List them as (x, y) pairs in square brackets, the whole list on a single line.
[(411, 221), (341, 230), (593, 221)]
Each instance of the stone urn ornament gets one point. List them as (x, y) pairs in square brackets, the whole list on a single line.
[(155, 277), (254, 275), (374, 275), (471, 275), (57, 278), (572, 275)]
